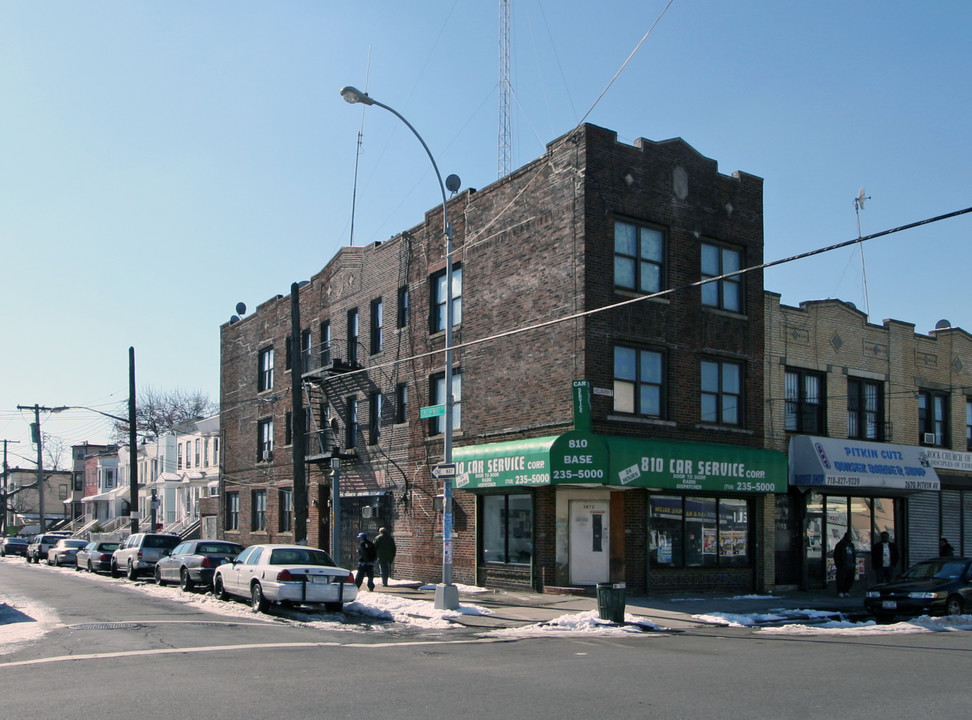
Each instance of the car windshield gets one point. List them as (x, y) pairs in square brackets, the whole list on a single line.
[(936, 570), (74, 543), (219, 548), (299, 556), (163, 542), (108, 547)]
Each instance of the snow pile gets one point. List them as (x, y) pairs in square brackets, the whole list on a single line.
[(584, 623)]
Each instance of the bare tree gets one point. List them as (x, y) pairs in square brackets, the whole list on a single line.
[(54, 450), (157, 411)]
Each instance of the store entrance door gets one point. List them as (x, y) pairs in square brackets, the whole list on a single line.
[(590, 542)]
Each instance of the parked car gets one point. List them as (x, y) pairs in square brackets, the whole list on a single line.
[(285, 574), (139, 553), (37, 550), (96, 556), (14, 546), (193, 562), (940, 586), (64, 552)]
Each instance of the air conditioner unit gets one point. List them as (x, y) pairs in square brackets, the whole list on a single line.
[(929, 438), (267, 455), (367, 512)]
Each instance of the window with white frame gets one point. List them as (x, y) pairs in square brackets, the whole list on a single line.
[(374, 417), (440, 297), (401, 403), (232, 511), (286, 510), (353, 335), (933, 418), (325, 344), (721, 392), (351, 429), (265, 440), (377, 319), (258, 510), (438, 397), (725, 294), (639, 257), (265, 377), (403, 306)]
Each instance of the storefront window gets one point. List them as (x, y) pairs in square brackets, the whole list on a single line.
[(698, 532), (507, 529)]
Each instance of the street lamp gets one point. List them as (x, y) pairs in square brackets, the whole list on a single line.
[(446, 594)]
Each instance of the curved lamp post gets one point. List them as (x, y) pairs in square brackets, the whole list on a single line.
[(446, 594)]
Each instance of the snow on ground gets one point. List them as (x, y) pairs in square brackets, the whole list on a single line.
[(583, 623)]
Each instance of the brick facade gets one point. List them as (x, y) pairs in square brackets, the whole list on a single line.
[(535, 247)]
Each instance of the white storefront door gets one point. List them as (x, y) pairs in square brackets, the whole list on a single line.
[(590, 549)]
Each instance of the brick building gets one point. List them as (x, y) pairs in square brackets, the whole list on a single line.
[(877, 423), (608, 420)]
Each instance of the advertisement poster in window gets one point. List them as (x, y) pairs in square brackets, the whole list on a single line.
[(733, 543), (709, 541)]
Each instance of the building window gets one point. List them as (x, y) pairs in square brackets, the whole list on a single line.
[(206, 452), (968, 424), (198, 443), (353, 336), (351, 431), (265, 440), (865, 409), (721, 392), (79, 482), (188, 454), (109, 478), (403, 306), (265, 378), (286, 514), (440, 296), (932, 418), (178, 456), (698, 532), (725, 294), (401, 403), (288, 429), (804, 402), (438, 397), (232, 511), (639, 257), (325, 344), (215, 451), (377, 318), (507, 529), (258, 511), (374, 417), (639, 382)]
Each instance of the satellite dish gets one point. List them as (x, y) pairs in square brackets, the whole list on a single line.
[(943, 324), (453, 183), (234, 319), (240, 309)]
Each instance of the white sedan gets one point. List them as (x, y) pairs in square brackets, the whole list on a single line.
[(285, 574)]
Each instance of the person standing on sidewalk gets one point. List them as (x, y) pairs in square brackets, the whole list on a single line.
[(385, 549), (366, 562), (945, 548), (845, 560), (884, 558)]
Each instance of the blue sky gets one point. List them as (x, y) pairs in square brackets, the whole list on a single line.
[(164, 161)]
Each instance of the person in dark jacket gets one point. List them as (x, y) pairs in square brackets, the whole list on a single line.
[(884, 558), (385, 548), (845, 560), (366, 561), (945, 548)]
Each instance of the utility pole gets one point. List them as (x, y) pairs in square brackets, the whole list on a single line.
[(3, 493), (35, 431), (133, 446)]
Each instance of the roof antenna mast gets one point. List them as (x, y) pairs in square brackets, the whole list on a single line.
[(858, 206), (504, 164), (357, 154)]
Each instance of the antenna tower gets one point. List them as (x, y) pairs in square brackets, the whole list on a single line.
[(505, 143), (858, 206)]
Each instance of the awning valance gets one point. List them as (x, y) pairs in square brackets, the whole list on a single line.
[(846, 465)]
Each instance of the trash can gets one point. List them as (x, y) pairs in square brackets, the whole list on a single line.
[(610, 602)]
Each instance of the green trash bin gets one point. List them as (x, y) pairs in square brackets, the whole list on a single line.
[(610, 602)]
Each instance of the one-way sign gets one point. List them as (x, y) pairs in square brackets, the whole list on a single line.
[(444, 470)]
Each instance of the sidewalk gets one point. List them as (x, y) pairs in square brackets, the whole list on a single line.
[(515, 608)]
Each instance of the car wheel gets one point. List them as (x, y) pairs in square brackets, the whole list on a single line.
[(132, 572), (185, 582), (114, 570), (158, 577), (257, 601), (953, 606), (334, 607), (218, 590)]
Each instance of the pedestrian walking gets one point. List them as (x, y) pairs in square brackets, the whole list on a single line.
[(945, 548), (366, 562), (385, 549), (884, 558), (845, 560)]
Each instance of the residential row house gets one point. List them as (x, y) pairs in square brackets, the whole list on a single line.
[(21, 514), (608, 407)]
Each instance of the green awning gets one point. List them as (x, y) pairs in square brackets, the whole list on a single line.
[(507, 464)]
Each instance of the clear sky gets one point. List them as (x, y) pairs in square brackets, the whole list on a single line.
[(163, 161)]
